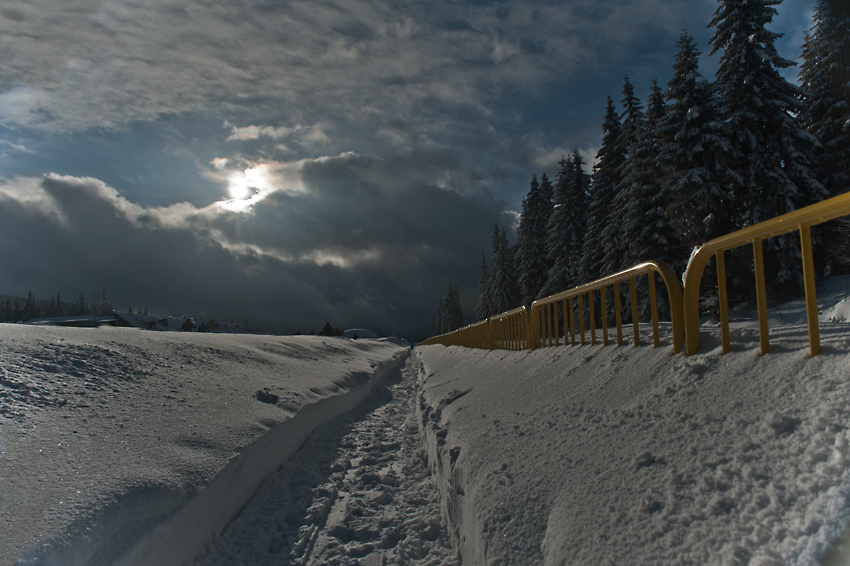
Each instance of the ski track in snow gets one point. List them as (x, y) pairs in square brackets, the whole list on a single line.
[(358, 492)]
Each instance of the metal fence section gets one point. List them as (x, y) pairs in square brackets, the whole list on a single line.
[(554, 316), (509, 330), (799, 220)]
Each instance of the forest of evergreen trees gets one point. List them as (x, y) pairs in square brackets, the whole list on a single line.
[(12, 309), (702, 159)]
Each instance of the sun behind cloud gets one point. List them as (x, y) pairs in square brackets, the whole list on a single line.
[(243, 185)]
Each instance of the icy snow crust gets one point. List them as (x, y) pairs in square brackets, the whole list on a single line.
[(131, 447), (591, 455)]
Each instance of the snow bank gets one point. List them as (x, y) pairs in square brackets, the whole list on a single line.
[(592, 455), (132, 447)]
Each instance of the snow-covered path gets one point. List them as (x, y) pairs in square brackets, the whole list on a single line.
[(358, 492)]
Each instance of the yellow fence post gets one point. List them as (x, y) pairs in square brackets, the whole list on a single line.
[(722, 305), (811, 295), (534, 330), (761, 295), (592, 317), (604, 302), (581, 318), (635, 327), (653, 302), (618, 315)]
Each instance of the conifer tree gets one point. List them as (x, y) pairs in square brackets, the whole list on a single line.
[(825, 76), (482, 305), (5, 310), (59, 305), (557, 232), (691, 153), (602, 192), (566, 227), (17, 311), (504, 289), (30, 307), (533, 265), (771, 153), (455, 309), (632, 132), (647, 231), (445, 313), (82, 305)]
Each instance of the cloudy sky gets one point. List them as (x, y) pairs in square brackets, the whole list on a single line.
[(297, 162)]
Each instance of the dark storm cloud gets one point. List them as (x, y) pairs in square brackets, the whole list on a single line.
[(345, 252)]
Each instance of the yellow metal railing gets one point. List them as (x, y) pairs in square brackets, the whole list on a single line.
[(521, 329), (799, 220), (547, 324), (506, 331), (473, 336), (509, 330)]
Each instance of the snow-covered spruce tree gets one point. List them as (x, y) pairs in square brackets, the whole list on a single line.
[(533, 265), (603, 186), (771, 153), (633, 129), (567, 225), (825, 76), (647, 231), (557, 233), (692, 153), (578, 200), (504, 289), (644, 201), (482, 304)]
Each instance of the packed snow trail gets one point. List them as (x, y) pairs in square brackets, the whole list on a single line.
[(357, 492)]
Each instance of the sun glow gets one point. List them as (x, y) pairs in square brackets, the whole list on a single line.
[(244, 185), (247, 188)]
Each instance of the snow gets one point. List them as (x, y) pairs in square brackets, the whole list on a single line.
[(359, 332), (121, 446), (590, 455), (122, 443), (360, 488)]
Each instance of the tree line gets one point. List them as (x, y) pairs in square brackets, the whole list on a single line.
[(701, 160), (12, 309)]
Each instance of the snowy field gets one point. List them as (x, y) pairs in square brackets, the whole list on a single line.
[(122, 446), (122, 443)]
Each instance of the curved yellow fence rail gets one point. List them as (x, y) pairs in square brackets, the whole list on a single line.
[(799, 220), (521, 329), (546, 324)]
